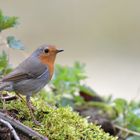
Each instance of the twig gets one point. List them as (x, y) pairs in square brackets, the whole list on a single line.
[(126, 130), (9, 98), (21, 127), (12, 130)]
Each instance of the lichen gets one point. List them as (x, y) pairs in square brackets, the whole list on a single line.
[(58, 123)]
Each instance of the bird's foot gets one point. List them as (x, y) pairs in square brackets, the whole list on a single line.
[(21, 98)]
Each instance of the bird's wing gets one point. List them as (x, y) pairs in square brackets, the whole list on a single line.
[(30, 68), (16, 76)]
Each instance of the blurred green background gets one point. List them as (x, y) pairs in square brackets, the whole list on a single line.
[(104, 34)]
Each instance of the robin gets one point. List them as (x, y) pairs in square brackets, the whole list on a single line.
[(32, 74)]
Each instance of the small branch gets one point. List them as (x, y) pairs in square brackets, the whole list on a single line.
[(126, 130), (9, 98), (22, 127), (12, 130)]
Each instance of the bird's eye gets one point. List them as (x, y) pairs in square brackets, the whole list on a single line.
[(46, 50)]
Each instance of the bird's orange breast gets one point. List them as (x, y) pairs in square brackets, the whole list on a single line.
[(49, 62)]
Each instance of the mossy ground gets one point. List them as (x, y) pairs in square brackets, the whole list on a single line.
[(57, 123)]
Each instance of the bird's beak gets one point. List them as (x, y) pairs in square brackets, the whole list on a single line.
[(58, 51)]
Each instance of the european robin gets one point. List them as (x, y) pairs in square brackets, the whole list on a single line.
[(32, 74)]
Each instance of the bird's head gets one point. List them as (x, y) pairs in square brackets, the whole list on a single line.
[(47, 54)]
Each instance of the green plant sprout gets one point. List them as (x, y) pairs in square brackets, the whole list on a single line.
[(7, 22)]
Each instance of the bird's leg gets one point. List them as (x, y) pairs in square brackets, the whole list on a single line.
[(31, 106), (30, 109), (22, 99)]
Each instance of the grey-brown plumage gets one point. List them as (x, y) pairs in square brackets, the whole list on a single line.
[(32, 74)]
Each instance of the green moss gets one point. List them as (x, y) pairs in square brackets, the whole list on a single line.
[(59, 123)]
